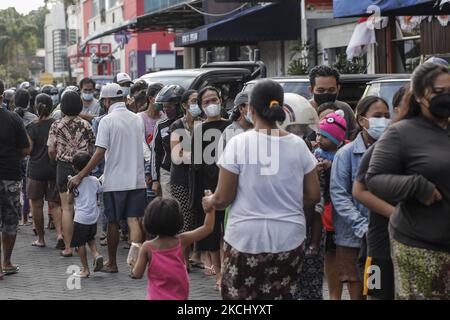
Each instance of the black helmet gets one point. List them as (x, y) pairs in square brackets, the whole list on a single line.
[(47, 89), (53, 91), (170, 93)]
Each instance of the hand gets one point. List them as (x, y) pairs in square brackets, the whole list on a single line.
[(148, 181), (435, 197), (326, 164), (207, 202), (74, 182), (320, 167), (156, 187)]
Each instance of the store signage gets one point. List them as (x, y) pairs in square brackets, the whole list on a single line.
[(190, 37)]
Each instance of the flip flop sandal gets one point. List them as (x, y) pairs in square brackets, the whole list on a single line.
[(66, 255), (98, 263), (37, 244), (107, 269), (82, 276), (209, 271), (13, 270), (2, 275)]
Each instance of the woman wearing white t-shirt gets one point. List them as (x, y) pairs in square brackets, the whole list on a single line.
[(270, 176)]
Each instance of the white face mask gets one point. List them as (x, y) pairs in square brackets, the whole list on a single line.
[(212, 110), (377, 126)]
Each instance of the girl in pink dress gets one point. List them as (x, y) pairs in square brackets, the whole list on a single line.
[(167, 274)]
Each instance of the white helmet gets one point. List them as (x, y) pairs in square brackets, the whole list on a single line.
[(299, 111)]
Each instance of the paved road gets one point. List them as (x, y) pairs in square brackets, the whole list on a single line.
[(43, 276)]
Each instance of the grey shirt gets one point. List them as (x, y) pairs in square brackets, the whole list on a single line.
[(409, 160), (93, 109)]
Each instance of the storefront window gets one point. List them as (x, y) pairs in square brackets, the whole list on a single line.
[(246, 53)]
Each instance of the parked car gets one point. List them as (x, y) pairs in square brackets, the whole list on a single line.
[(228, 77), (353, 86), (387, 87)]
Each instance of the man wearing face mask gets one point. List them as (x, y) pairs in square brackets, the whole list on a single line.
[(325, 87), (169, 97), (124, 81), (120, 135), (241, 117), (91, 106)]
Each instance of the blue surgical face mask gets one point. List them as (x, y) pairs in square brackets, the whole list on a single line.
[(377, 126), (195, 110), (87, 96), (249, 117), (126, 91)]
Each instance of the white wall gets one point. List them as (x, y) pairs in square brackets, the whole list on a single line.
[(54, 20)]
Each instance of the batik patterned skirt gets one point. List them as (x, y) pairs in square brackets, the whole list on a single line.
[(420, 273), (264, 276)]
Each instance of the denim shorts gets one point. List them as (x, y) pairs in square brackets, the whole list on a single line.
[(120, 205)]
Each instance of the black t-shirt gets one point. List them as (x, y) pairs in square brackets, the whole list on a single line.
[(13, 138), (205, 175), (377, 233), (179, 173), (40, 167)]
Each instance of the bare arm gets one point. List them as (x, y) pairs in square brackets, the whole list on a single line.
[(144, 258), (311, 189), (87, 116), (52, 153), (187, 238), (27, 151), (98, 156), (370, 201)]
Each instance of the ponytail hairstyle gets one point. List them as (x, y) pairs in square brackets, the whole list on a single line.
[(267, 99), (44, 105), (422, 79)]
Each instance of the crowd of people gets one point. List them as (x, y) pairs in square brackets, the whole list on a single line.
[(282, 195)]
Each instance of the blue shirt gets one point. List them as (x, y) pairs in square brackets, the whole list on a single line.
[(350, 218)]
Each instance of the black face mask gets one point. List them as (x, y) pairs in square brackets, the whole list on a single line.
[(324, 98), (440, 106)]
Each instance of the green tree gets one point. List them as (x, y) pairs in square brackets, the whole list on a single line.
[(37, 18), (18, 44), (301, 54), (356, 66)]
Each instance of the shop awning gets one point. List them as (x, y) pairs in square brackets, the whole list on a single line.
[(263, 22), (351, 8)]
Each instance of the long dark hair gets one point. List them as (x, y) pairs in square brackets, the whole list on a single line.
[(44, 105), (422, 78)]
